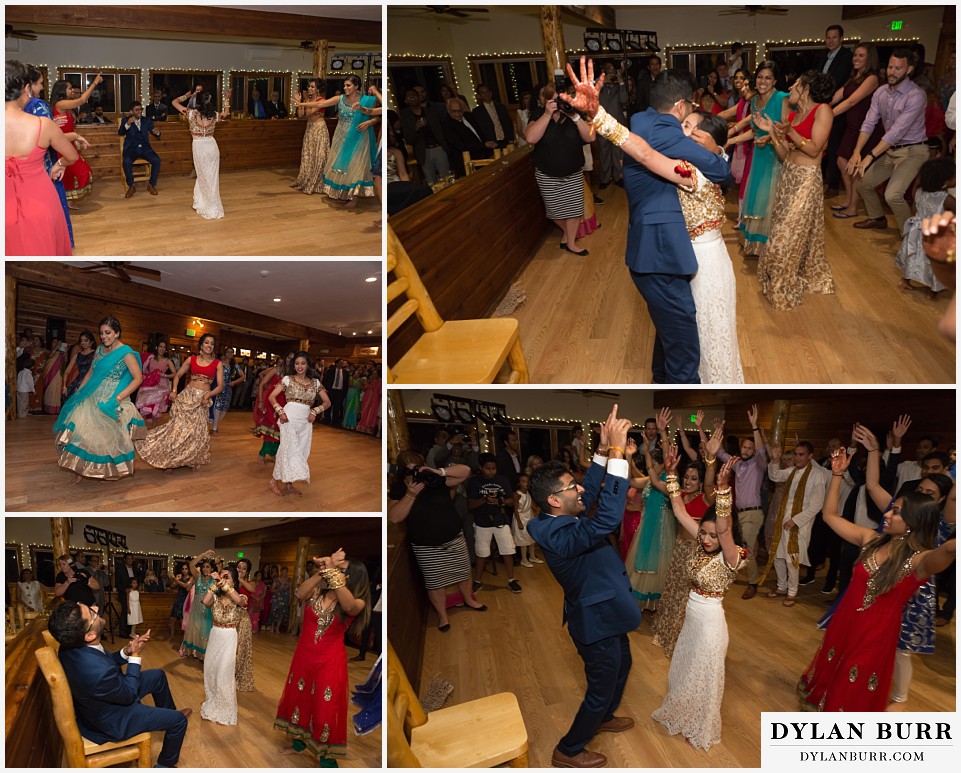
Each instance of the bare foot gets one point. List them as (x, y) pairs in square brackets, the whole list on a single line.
[(168, 471), (195, 469), (275, 488), (285, 750), (351, 204), (904, 284), (261, 460), (932, 295), (76, 480)]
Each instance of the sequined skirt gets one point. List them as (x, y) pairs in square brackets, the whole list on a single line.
[(96, 445), (184, 440), (313, 158)]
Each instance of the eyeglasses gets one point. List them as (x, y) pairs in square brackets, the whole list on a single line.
[(93, 618), (566, 488)]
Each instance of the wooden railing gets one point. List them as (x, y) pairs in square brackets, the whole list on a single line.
[(407, 621)]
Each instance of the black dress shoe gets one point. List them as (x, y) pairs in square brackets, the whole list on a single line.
[(444, 628), (880, 223)]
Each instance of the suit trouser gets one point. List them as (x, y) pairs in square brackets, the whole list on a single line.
[(436, 164), (148, 154), (610, 162), (606, 665), (677, 352), (818, 544), (335, 414), (899, 167), (751, 522)]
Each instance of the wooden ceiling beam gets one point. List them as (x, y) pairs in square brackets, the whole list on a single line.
[(321, 527), (217, 22), (71, 280)]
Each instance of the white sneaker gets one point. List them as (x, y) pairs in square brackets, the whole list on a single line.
[(528, 564), (536, 560)]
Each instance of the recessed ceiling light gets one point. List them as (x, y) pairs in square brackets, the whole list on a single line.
[(371, 279), (354, 333), (276, 300), (226, 529), (370, 332)]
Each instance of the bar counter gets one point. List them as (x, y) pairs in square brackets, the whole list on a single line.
[(470, 240)]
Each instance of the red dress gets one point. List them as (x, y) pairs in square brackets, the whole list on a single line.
[(853, 667), (78, 179), (34, 226), (370, 407), (265, 420), (313, 707)]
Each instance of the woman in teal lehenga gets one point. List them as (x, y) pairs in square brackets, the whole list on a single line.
[(354, 147), (765, 166), (96, 426)]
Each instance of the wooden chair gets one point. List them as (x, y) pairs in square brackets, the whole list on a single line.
[(80, 752), (51, 642), (478, 734), (472, 165), (461, 351), (139, 164)]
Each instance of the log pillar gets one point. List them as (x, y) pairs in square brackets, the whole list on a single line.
[(60, 535), (779, 419), (300, 574), (321, 48), (553, 33), (398, 437)]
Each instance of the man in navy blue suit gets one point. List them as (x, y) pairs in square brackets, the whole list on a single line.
[(659, 251), (598, 605), (107, 700), (136, 130)]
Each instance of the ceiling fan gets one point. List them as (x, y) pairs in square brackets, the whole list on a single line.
[(461, 13), (590, 392), (121, 268), (20, 34), (174, 532), (753, 10)]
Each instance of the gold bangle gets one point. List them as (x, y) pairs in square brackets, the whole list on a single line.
[(803, 142), (710, 462), (615, 448), (673, 487)]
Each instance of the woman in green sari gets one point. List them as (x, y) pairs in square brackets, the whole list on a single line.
[(95, 429)]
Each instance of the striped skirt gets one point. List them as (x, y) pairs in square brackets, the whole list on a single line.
[(563, 196), (443, 565)]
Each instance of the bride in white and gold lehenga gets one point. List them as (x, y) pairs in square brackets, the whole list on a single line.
[(227, 608), (203, 121), (296, 420)]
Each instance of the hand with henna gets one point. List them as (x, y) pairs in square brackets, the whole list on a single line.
[(586, 92)]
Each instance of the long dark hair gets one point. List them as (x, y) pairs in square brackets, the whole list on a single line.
[(285, 368), (203, 338), (17, 80), (112, 322), (310, 373), (355, 79), (88, 335), (59, 92), (156, 347), (205, 104), (921, 514), (358, 583)]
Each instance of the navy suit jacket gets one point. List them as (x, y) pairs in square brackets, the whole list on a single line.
[(657, 238), (598, 602), (102, 693), (135, 139)]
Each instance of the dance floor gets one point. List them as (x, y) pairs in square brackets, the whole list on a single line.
[(345, 471), (520, 646), (252, 742), (263, 216), (585, 323)]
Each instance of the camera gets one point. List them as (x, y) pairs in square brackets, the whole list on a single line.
[(561, 86), (428, 478), (80, 571)]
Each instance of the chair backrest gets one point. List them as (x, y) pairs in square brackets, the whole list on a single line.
[(62, 701), (413, 713), (403, 713), (51, 642)]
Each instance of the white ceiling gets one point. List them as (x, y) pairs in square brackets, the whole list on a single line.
[(370, 12), (326, 295)]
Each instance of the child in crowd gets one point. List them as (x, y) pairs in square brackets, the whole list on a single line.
[(134, 615), (937, 175), (523, 511)]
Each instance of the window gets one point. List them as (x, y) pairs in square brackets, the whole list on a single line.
[(243, 86), (700, 60), (510, 77), (118, 89), (176, 83), (429, 72)]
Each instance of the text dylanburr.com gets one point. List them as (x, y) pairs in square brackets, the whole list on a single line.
[(844, 741)]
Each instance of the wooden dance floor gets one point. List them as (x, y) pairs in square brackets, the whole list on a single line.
[(345, 472), (584, 321), (263, 216), (520, 646), (252, 742)]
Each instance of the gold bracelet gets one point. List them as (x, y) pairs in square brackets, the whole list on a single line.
[(673, 488), (615, 448), (710, 462), (608, 127), (334, 577), (803, 142)]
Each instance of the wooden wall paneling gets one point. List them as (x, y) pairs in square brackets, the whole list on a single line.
[(407, 621), (232, 22), (32, 740), (470, 240)]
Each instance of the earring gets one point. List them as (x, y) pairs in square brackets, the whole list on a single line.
[(907, 531)]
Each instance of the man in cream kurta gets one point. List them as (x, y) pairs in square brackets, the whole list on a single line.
[(797, 511)]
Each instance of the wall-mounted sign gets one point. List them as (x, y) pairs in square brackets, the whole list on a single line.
[(190, 333)]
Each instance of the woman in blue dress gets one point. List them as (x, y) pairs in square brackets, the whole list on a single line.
[(37, 106), (354, 147), (233, 375), (98, 424), (765, 166), (81, 358)]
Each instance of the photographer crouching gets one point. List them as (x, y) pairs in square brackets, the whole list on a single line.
[(420, 497), (74, 582), (558, 135)]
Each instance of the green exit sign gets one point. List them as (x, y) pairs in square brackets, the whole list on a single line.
[(896, 25), (693, 418), (190, 333)]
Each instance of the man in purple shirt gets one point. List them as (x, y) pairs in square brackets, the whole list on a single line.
[(902, 150), (749, 473)]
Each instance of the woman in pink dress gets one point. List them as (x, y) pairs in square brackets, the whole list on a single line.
[(370, 404), (153, 396), (78, 179), (35, 223)]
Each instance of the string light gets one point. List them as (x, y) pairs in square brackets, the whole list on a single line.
[(25, 553)]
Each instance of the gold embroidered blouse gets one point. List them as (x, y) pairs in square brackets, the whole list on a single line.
[(710, 576), (300, 394), (871, 565), (225, 613), (703, 205)]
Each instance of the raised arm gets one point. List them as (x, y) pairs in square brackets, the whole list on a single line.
[(724, 505), (685, 443), (849, 532), (872, 482), (68, 104), (636, 478), (674, 492), (933, 561)]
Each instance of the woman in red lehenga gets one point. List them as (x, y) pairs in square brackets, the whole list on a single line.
[(266, 426), (313, 706), (370, 404), (78, 179), (852, 669)]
